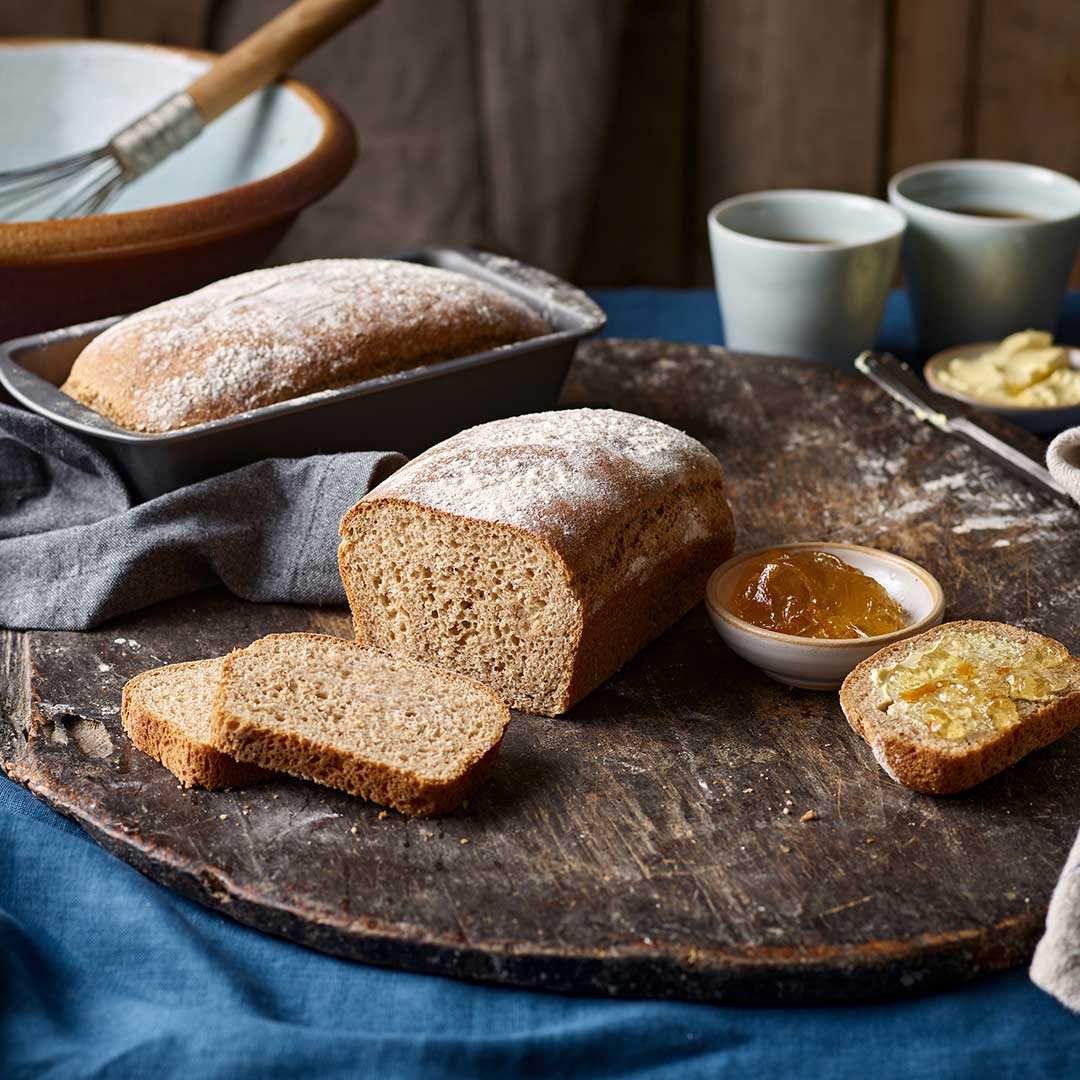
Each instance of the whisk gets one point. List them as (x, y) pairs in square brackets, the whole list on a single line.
[(88, 182)]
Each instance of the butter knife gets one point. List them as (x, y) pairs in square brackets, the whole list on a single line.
[(904, 386)]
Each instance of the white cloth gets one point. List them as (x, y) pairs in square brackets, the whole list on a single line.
[(1056, 966), (1063, 461)]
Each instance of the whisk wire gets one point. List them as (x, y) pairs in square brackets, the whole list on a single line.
[(92, 190), (34, 192), (49, 169), (86, 183)]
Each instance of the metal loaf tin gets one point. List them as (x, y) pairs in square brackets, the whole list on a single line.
[(408, 411)]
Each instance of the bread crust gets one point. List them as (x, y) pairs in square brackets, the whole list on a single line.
[(192, 762), (298, 755), (953, 767), (639, 613)]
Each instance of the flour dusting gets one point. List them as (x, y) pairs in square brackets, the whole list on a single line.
[(949, 482), (1032, 522), (554, 472)]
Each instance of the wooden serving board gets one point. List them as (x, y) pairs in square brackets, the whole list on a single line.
[(638, 846)]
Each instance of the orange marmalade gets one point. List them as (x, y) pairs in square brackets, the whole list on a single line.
[(969, 683), (813, 594)]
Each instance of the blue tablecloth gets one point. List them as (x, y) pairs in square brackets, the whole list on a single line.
[(692, 315), (104, 973)]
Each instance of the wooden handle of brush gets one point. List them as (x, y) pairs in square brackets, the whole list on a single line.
[(270, 51)]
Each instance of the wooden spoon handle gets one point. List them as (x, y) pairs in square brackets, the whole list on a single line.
[(270, 51)]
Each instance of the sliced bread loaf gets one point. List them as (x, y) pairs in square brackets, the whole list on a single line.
[(947, 709), (389, 729), (537, 554), (166, 711)]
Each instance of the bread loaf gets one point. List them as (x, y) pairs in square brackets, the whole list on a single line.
[(274, 334), (937, 736), (537, 554), (166, 711), (388, 729)]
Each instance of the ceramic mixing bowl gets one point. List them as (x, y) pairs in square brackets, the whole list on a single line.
[(216, 208)]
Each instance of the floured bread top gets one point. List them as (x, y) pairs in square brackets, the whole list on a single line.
[(559, 475), (273, 334), (967, 682)]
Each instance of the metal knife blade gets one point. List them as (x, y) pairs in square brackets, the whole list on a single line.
[(904, 386)]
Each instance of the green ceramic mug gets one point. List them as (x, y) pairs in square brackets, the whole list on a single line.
[(989, 247), (804, 273)]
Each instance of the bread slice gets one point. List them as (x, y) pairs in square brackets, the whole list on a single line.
[(166, 711), (899, 733), (540, 553), (392, 730)]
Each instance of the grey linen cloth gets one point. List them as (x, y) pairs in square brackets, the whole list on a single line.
[(75, 550), (1056, 966)]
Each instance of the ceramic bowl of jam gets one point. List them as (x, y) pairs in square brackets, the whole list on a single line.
[(807, 613)]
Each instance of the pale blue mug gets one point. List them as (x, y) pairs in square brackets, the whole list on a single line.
[(804, 273), (989, 247)]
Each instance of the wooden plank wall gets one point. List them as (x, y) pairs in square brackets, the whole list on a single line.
[(709, 98), (821, 93), (791, 95)]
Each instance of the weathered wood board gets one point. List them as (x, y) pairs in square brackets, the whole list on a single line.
[(638, 846)]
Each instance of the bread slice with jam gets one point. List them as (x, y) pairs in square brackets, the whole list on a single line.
[(947, 709)]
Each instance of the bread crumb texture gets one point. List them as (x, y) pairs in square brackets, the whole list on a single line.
[(386, 728), (275, 334), (537, 554), (949, 708), (166, 713)]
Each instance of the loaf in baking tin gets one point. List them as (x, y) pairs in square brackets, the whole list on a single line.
[(275, 334)]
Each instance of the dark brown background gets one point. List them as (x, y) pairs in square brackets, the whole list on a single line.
[(591, 136)]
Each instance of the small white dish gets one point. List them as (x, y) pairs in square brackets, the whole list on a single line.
[(1038, 418), (822, 663)]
